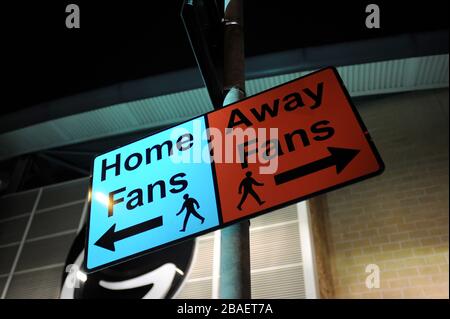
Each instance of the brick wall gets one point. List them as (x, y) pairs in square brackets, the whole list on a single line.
[(399, 220)]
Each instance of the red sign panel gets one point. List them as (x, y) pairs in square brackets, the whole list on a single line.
[(321, 144)]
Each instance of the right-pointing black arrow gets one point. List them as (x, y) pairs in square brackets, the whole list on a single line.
[(110, 237), (339, 157)]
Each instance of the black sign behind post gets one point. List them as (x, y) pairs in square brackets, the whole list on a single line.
[(203, 22)]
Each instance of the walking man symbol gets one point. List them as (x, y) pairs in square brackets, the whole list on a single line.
[(188, 204), (247, 184)]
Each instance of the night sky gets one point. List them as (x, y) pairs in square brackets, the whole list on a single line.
[(125, 40)]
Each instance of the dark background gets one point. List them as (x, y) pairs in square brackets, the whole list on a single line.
[(124, 40)]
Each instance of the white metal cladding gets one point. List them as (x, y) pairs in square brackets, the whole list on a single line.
[(363, 79), (378, 77), (276, 259), (36, 270)]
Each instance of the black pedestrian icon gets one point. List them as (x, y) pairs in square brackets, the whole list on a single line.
[(247, 185), (188, 204)]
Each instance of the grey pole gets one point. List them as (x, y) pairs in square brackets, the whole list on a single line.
[(234, 282)]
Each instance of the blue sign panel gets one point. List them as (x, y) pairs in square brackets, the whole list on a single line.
[(150, 193)]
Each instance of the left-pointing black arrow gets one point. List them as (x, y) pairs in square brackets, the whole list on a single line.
[(109, 238)]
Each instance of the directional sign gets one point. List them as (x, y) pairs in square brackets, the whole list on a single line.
[(276, 148)]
